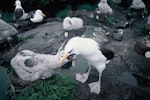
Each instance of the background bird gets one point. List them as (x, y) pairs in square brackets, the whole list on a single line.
[(138, 4), (72, 23), (19, 13), (37, 17), (89, 49), (104, 8)]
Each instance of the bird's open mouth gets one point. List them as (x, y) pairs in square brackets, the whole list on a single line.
[(72, 57)]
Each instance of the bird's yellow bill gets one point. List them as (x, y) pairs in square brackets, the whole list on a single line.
[(43, 15), (65, 56)]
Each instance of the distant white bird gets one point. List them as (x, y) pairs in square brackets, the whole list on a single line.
[(138, 4), (37, 17), (19, 13), (72, 23), (89, 49), (104, 8)]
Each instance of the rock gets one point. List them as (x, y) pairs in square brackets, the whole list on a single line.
[(31, 66), (0, 15), (82, 13), (142, 49), (49, 36), (77, 32), (146, 29), (118, 35), (6, 30), (148, 21), (122, 24)]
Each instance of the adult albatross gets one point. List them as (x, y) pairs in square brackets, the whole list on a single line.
[(19, 13), (104, 8), (37, 17), (89, 49)]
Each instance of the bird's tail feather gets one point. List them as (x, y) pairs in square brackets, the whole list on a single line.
[(107, 53)]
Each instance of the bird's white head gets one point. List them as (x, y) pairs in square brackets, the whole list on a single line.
[(67, 20), (39, 12), (17, 3)]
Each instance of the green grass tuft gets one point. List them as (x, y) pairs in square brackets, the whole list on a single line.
[(56, 88), (7, 16), (63, 13), (108, 20), (21, 38), (86, 7), (110, 2)]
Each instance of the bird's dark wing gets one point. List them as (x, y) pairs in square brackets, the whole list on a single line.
[(31, 14), (18, 13), (107, 53)]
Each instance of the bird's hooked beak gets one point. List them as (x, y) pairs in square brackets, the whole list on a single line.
[(65, 56), (15, 4), (43, 14), (59, 63)]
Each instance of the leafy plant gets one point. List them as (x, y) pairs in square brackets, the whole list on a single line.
[(63, 13), (86, 7), (108, 20), (21, 38), (7, 16), (110, 2), (42, 1), (47, 1), (131, 14), (55, 88)]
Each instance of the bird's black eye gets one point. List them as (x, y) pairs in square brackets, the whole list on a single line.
[(70, 51)]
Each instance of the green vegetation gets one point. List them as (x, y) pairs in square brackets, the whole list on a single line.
[(131, 14), (42, 1), (86, 7), (59, 87), (108, 20), (7, 16), (63, 13), (110, 2), (47, 1), (21, 38)]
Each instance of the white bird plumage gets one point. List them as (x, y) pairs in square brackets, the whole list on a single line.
[(19, 13), (138, 4), (89, 49), (38, 16), (72, 23), (104, 8), (31, 66)]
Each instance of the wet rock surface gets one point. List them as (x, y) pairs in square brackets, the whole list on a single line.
[(126, 77)]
